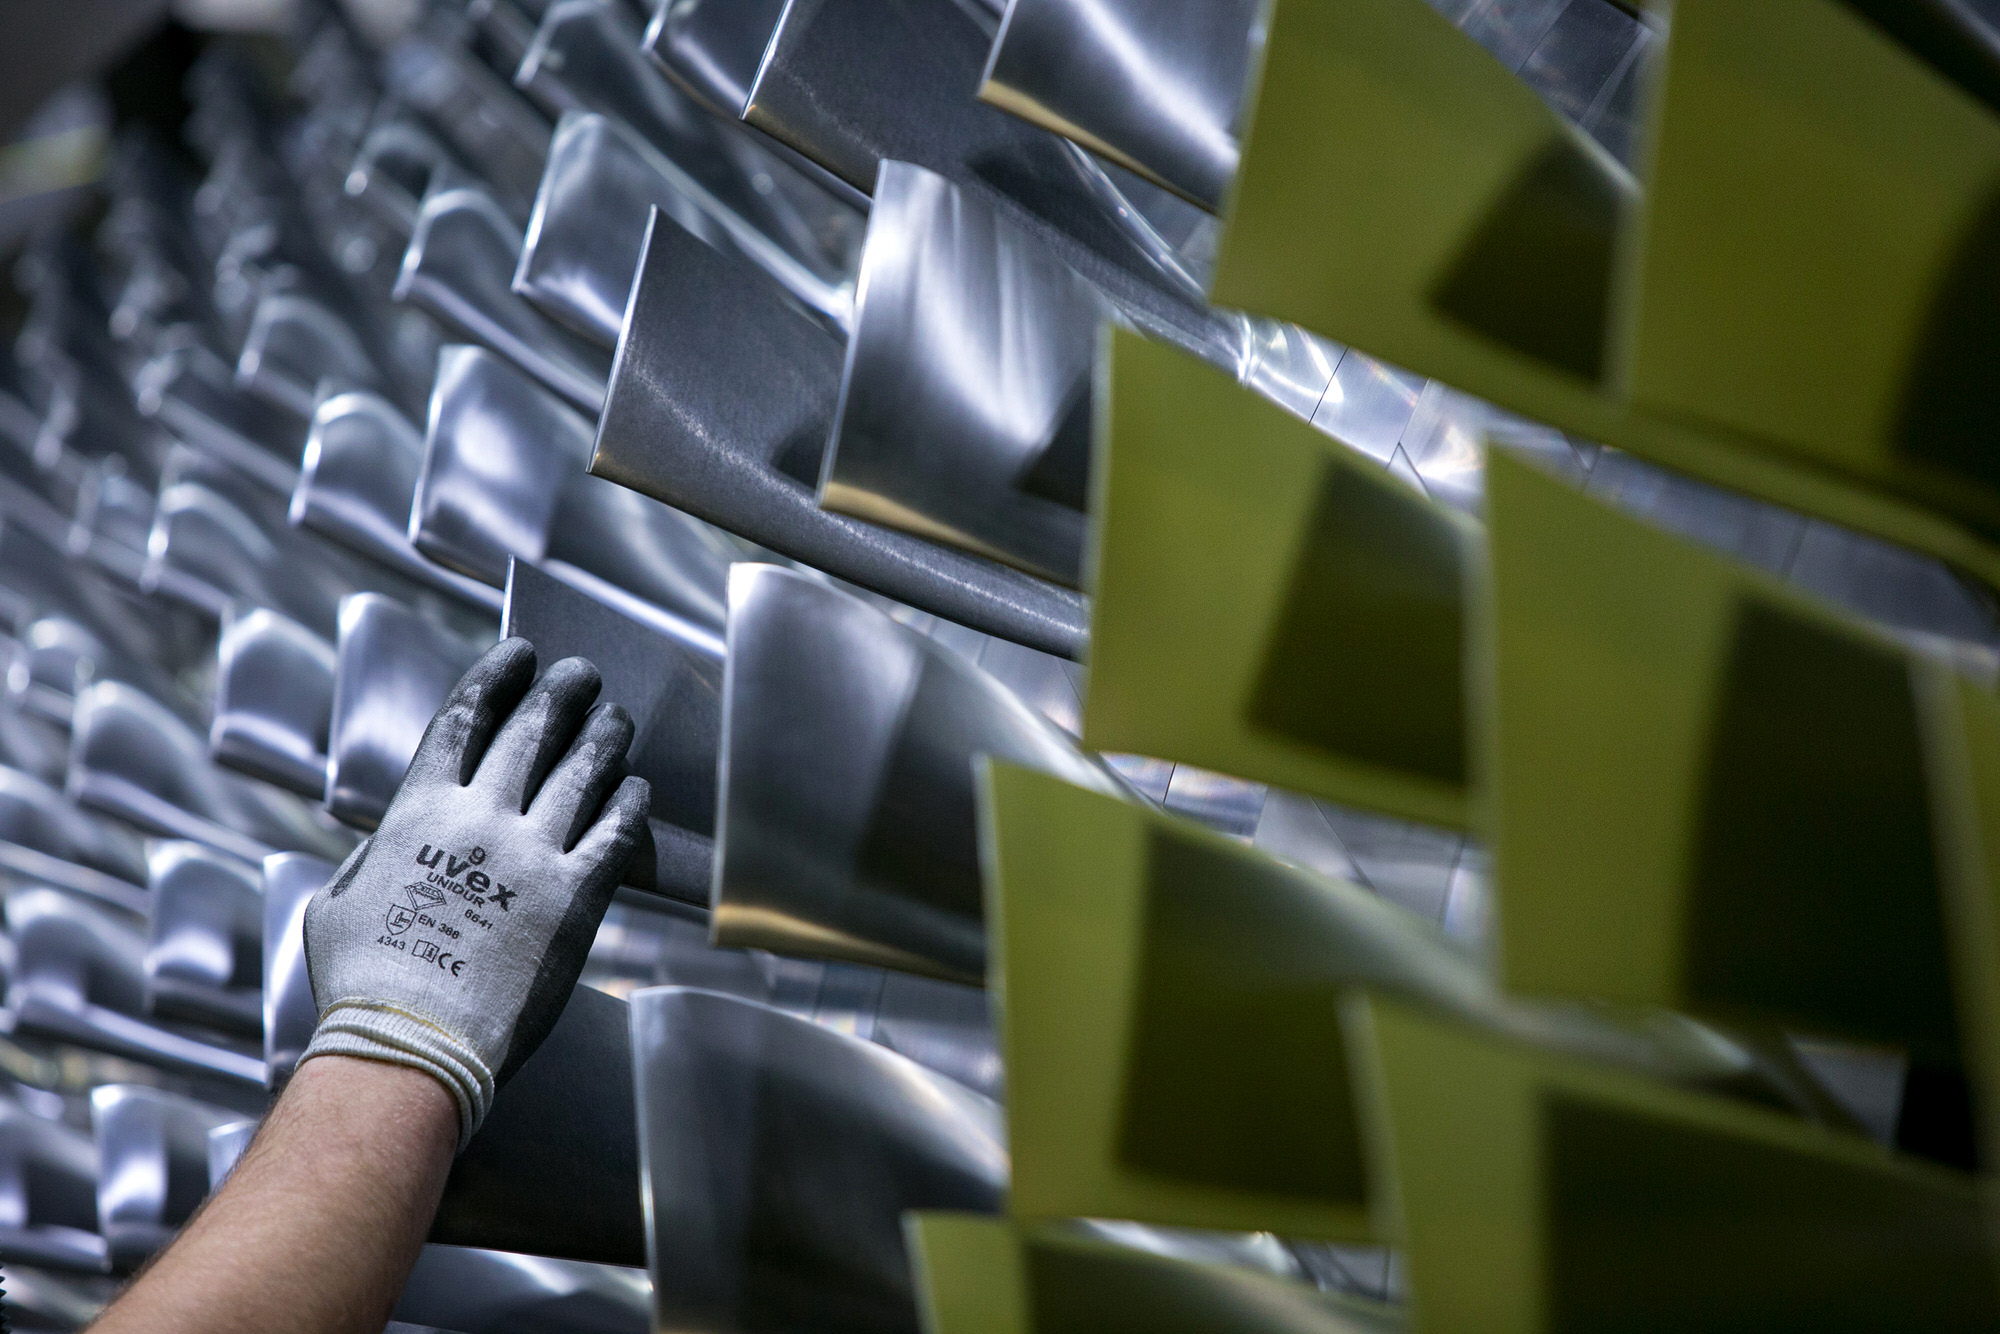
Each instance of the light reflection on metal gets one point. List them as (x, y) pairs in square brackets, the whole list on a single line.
[(850, 83), (132, 758), (460, 267), (356, 485), (674, 694), (226, 1144), (290, 881), (294, 343), (496, 1292), (720, 404), (394, 168), (273, 699), (755, 1127), (192, 392), (503, 477), (964, 409), (586, 56), (80, 978), (154, 1150), (394, 670), (712, 48), (45, 839), (1156, 88), (485, 121), (589, 226), (48, 1196), (846, 825), (204, 953)]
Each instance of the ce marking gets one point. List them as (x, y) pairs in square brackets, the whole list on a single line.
[(456, 964)]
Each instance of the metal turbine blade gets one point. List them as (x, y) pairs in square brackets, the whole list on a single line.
[(712, 48), (290, 881), (986, 448), (1155, 88), (80, 977), (394, 670), (45, 838), (460, 267), (587, 57), (720, 405), (48, 1196), (154, 1150), (273, 700), (779, 1158), (846, 825), (485, 121), (589, 226), (226, 1144), (497, 1292), (132, 758), (192, 392), (673, 691), (204, 952), (503, 477), (357, 482), (294, 343), (851, 83), (393, 170)]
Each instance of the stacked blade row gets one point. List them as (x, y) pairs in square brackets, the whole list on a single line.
[(1322, 665)]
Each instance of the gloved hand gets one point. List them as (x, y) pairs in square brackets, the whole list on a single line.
[(450, 940)]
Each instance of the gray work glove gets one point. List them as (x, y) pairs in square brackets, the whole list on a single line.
[(451, 939)]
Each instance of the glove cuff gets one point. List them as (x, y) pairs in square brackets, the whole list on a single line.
[(383, 1033)]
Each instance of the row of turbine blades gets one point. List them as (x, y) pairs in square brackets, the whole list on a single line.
[(750, 355)]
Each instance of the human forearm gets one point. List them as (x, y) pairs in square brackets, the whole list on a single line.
[(318, 1226)]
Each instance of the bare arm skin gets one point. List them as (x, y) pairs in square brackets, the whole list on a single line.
[(318, 1227)]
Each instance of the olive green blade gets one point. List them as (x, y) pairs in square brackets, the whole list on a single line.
[(1532, 1192), (1168, 1015), (1820, 274), (1708, 792), (984, 1276), (1402, 191), (1270, 605)]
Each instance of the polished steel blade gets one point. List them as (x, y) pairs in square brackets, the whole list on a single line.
[(394, 669), (503, 477), (356, 484), (273, 700), (712, 48), (80, 978), (290, 881), (45, 838), (48, 1196), (154, 1152), (965, 398), (132, 758), (1156, 87), (460, 267), (779, 1158), (586, 56), (497, 1292), (204, 950), (720, 404), (846, 825), (673, 690)]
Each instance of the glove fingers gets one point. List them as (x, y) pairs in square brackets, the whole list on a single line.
[(608, 844), (574, 791), (461, 730), (538, 732)]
